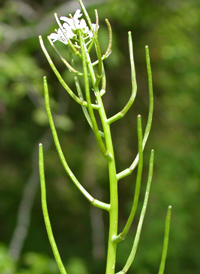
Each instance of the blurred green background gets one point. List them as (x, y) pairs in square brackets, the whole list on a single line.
[(171, 29)]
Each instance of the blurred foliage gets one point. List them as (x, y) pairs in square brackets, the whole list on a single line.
[(171, 29), (32, 263), (7, 265)]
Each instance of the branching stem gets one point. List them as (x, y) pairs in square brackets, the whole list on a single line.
[(142, 215), (123, 234), (121, 114), (113, 212), (66, 87), (62, 157), (129, 170), (83, 38)]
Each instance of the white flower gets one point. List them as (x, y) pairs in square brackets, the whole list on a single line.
[(62, 35), (74, 22), (69, 28)]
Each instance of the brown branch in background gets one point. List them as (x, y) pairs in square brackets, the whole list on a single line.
[(28, 196), (96, 216)]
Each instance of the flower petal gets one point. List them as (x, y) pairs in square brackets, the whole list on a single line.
[(62, 36), (53, 36), (77, 14), (82, 25), (69, 31), (69, 21)]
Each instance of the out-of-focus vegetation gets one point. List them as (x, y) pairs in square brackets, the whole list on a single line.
[(171, 29)]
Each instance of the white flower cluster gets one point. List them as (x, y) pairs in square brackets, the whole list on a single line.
[(68, 30)]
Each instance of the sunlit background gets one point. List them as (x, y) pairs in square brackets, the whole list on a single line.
[(171, 29)]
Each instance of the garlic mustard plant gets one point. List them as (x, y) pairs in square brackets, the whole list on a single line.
[(81, 36)]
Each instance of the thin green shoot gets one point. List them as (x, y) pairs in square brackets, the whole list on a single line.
[(46, 214)]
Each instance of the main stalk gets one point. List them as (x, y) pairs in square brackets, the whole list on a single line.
[(113, 213)]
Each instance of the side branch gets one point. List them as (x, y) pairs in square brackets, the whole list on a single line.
[(96, 42), (121, 114), (166, 241), (98, 137), (142, 215), (71, 69), (109, 49), (123, 234), (82, 103), (46, 214), (85, 111), (103, 84), (62, 157), (129, 170)]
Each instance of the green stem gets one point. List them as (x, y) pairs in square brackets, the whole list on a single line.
[(113, 212), (123, 234), (88, 98), (85, 111), (82, 103), (166, 241), (46, 214), (129, 170), (62, 157), (141, 220), (103, 84), (71, 69), (121, 114), (109, 49), (96, 42)]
